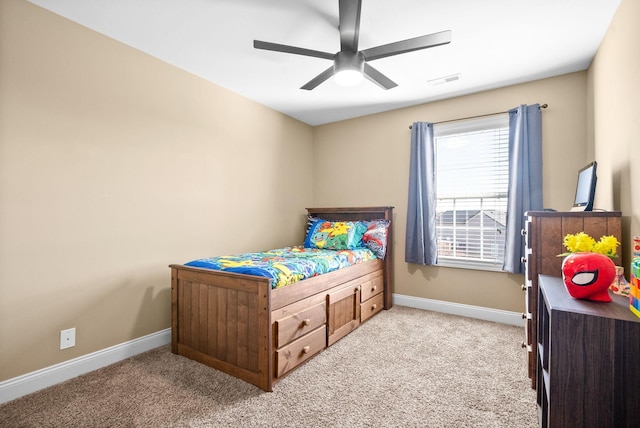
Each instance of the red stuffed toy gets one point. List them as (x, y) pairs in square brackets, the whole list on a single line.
[(588, 276)]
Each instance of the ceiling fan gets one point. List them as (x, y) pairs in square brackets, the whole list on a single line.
[(349, 64)]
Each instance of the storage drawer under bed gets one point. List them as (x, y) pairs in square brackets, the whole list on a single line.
[(371, 307), (298, 324), (371, 287), (300, 350)]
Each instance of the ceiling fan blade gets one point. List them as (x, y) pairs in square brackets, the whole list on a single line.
[(378, 78), (311, 84), (349, 12), (409, 45), (259, 44)]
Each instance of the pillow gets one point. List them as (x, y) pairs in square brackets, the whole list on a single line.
[(334, 235), (311, 220), (375, 237)]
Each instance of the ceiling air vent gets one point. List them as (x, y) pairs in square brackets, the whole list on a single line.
[(443, 80)]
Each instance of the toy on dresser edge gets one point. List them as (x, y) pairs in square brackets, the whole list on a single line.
[(634, 291)]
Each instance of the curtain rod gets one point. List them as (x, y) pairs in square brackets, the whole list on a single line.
[(481, 115)]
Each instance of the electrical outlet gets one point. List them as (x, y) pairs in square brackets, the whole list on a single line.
[(68, 338)]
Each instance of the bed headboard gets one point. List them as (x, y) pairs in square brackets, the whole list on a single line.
[(352, 213), (366, 213)]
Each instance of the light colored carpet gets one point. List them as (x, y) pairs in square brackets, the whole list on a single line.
[(403, 368)]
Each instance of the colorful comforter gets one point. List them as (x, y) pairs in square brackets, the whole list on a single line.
[(286, 265)]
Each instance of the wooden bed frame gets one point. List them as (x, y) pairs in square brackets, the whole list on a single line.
[(239, 325)]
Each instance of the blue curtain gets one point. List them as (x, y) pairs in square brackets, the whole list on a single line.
[(525, 179), (420, 244)]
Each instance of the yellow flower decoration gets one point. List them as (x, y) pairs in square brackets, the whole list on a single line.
[(582, 243), (607, 246), (579, 243)]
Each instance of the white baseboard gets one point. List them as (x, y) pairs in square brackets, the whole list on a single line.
[(40, 379), (35, 381), (487, 314)]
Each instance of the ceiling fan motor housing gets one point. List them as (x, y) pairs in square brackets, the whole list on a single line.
[(348, 61)]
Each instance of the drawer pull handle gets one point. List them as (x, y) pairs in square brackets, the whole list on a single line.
[(373, 288), (306, 322), (373, 307), (306, 349)]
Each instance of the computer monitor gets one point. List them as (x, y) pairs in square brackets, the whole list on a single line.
[(586, 188)]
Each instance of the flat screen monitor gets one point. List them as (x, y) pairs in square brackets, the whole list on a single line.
[(586, 188)]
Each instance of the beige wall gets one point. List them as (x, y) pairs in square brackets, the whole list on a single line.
[(614, 91), (112, 166), (372, 155)]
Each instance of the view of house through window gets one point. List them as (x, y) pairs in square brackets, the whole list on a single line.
[(472, 171)]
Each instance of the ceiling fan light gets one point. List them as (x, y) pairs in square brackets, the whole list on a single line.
[(348, 68), (348, 77)]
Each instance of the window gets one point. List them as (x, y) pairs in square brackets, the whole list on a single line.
[(472, 172)]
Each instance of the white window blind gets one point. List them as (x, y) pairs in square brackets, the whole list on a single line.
[(472, 172)]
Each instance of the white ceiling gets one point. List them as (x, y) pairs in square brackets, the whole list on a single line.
[(494, 43)]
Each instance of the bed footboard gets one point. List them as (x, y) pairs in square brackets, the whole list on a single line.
[(223, 321)]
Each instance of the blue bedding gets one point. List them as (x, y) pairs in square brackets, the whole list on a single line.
[(287, 265)]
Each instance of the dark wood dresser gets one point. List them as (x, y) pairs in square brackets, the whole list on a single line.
[(544, 232), (588, 360)]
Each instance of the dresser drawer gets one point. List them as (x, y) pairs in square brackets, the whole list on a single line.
[(371, 307), (298, 324), (371, 288), (300, 350)]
